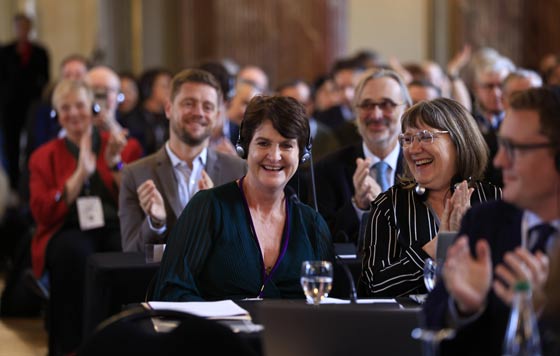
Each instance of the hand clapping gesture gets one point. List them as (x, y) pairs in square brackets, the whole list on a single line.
[(468, 279), (456, 207), (366, 188), (86, 160), (151, 202), (205, 181), (521, 265)]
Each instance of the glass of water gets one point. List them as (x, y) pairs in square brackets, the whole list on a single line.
[(316, 280), (431, 273)]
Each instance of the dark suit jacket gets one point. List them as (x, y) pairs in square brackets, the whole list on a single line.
[(335, 190), (135, 230), (500, 224)]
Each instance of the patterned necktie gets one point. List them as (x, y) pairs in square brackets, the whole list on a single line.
[(542, 233), (381, 175)]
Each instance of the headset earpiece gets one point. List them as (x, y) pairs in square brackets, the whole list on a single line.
[(239, 144), (307, 149)]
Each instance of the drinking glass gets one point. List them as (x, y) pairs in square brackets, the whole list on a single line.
[(316, 280), (431, 273)]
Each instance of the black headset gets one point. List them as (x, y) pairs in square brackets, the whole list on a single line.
[(240, 146)]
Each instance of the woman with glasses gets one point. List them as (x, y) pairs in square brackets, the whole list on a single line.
[(445, 156)]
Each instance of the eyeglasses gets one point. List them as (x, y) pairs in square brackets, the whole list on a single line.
[(425, 137), (387, 106), (511, 148)]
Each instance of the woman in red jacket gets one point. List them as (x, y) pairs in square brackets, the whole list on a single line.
[(73, 199)]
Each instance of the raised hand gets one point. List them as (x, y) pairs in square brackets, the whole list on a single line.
[(468, 279), (151, 202), (366, 188)]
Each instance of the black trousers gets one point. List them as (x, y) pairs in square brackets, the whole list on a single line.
[(66, 257)]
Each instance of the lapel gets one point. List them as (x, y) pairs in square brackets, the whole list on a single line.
[(164, 172), (212, 167)]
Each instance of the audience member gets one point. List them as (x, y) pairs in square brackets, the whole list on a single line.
[(423, 90), (219, 140), (248, 238), (346, 74), (489, 108), (324, 141), (442, 147), (254, 75), (147, 123), (349, 179), (519, 80), (42, 125), (73, 186), (130, 95), (505, 241), (323, 95), (155, 190), (24, 72), (244, 92)]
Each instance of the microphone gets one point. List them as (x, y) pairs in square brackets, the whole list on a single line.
[(353, 293), (313, 188)]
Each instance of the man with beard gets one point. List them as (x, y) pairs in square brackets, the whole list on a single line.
[(155, 190), (349, 179)]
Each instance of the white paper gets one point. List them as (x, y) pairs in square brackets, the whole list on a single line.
[(348, 257), (220, 309)]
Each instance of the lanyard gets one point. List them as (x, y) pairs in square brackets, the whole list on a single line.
[(285, 238)]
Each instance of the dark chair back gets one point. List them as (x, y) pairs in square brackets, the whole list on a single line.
[(132, 332)]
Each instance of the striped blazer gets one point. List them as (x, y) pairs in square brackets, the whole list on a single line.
[(398, 225)]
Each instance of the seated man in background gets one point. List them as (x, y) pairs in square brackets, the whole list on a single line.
[(506, 241), (156, 189), (349, 179)]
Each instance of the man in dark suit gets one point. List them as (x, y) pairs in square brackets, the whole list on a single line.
[(507, 237), (155, 190), (24, 71), (349, 179)]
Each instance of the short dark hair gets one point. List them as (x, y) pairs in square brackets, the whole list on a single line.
[(422, 83), (220, 72), (448, 115), (194, 76), (286, 114), (546, 102)]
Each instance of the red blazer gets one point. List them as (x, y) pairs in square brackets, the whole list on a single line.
[(50, 166)]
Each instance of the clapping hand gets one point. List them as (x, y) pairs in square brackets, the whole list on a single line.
[(521, 265), (115, 145), (205, 181), (468, 279), (366, 188), (87, 159), (151, 202), (456, 207)]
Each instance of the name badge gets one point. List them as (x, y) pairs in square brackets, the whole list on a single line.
[(90, 213)]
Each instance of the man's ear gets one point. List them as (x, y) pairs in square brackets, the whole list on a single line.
[(168, 105)]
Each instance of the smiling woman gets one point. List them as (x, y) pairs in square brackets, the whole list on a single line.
[(247, 238), (445, 158)]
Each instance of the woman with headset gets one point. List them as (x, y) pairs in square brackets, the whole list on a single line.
[(73, 199), (247, 238), (445, 156)]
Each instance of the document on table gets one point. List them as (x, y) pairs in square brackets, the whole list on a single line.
[(223, 309)]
